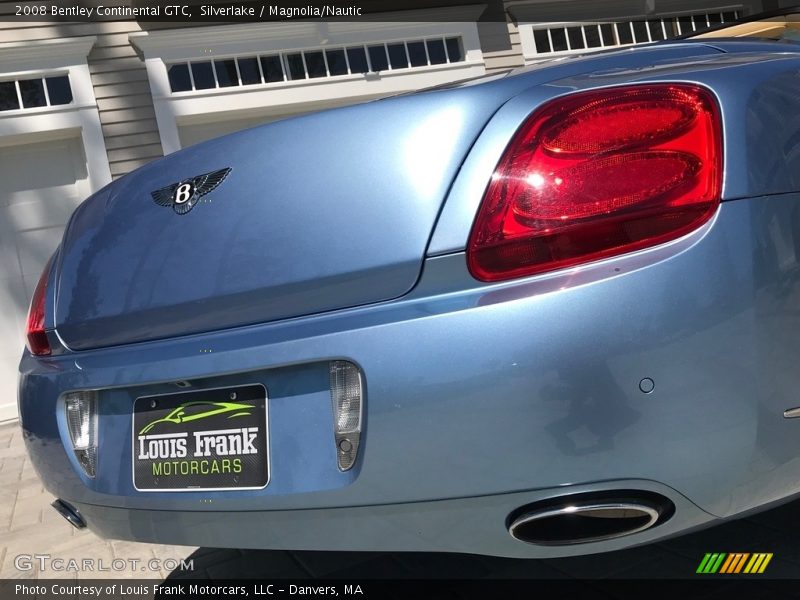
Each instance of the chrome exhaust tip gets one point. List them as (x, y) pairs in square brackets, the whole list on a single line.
[(584, 518), (70, 513)]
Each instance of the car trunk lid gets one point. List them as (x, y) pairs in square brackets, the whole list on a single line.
[(319, 212)]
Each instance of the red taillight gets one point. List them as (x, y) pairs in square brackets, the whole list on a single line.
[(37, 338), (598, 174)]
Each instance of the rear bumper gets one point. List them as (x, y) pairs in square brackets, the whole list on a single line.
[(474, 393), (466, 525)]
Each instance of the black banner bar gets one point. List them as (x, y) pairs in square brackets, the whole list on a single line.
[(368, 589), (255, 11)]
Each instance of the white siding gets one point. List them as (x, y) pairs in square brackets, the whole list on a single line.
[(508, 57)]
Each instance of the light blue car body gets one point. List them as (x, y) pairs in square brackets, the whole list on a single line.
[(342, 235)]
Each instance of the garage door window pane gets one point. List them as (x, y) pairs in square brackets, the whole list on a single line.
[(454, 52), (336, 62), (685, 24), (32, 92), (295, 64), (416, 52), (575, 38), (640, 32), (59, 90), (358, 60), (542, 41), (203, 76), (436, 52), (226, 73), (248, 70), (273, 71), (179, 80), (559, 40), (656, 30), (8, 96), (592, 36), (624, 33), (397, 56), (315, 63), (700, 22), (607, 29), (377, 58)]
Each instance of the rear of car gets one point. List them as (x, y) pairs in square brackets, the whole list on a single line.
[(545, 314)]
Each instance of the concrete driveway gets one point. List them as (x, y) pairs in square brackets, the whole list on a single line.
[(29, 527)]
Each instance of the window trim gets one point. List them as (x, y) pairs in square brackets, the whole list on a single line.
[(528, 42), (41, 75), (282, 55), (48, 58), (174, 109)]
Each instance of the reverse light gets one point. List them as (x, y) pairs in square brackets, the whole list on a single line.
[(81, 413), (346, 395), (597, 174), (36, 337)]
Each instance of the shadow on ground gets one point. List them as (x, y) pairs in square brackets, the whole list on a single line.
[(776, 531)]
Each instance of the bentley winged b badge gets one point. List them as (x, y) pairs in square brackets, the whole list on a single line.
[(182, 196)]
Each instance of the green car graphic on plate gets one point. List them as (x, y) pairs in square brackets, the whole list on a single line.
[(179, 415)]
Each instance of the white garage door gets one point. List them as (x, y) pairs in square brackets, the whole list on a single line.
[(40, 185), (205, 127), (196, 133)]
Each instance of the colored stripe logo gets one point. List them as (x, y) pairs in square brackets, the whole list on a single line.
[(734, 563)]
